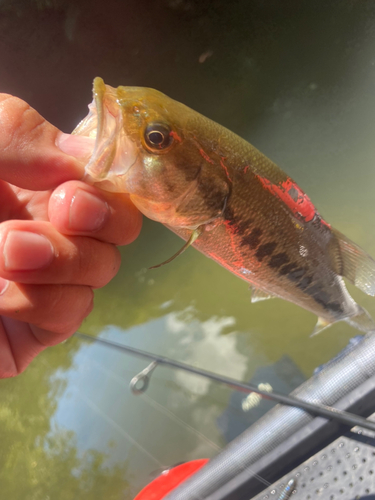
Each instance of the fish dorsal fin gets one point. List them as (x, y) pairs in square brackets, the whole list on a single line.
[(194, 235), (321, 325), (351, 262), (257, 295)]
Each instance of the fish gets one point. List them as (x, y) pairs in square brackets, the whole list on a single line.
[(225, 198)]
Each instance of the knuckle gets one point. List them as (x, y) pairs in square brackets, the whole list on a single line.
[(111, 267), (72, 305), (57, 298), (85, 265), (114, 263), (86, 304), (89, 302)]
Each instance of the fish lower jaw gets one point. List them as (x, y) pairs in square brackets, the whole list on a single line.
[(113, 153)]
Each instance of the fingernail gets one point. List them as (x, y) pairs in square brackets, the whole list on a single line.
[(75, 145), (87, 212), (3, 285), (26, 251)]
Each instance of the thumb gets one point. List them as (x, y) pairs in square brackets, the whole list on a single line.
[(29, 155)]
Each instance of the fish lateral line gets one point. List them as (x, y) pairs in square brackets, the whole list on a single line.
[(194, 235)]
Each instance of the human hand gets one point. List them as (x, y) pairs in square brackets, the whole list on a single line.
[(57, 236)]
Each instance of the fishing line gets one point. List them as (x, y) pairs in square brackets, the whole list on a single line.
[(177, 419), (158, 407), (118, 427), (315, 409), (199, 434)]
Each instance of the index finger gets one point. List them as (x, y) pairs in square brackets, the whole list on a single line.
[(29, 156)]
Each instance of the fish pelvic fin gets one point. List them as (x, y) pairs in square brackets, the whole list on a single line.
[(194, 235), (351, 262), (362, 321), (257, 295), (321, 325)]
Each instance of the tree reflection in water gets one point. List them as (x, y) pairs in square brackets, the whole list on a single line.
[(39, 460)]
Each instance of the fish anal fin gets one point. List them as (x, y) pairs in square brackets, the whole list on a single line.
[(353, 263), (321, 325), (362, 321), (194, 235), (257, 295)]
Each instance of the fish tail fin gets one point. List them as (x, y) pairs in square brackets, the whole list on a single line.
[(351, 262), (362, 321)]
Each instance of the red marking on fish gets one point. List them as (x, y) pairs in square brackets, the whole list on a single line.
[(226, 170), (205, 156), (232, 231), (245, 169), (325, 223), (175, 136), (293, 197), (219, 259)]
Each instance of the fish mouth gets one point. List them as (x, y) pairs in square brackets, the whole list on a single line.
[(114, 153)]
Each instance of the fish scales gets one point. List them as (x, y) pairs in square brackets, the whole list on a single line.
[(260, 242), (223, 196)]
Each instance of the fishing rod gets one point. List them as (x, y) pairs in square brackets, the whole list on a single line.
[(144, 377)]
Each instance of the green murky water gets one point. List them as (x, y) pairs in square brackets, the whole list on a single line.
[(297, 81)]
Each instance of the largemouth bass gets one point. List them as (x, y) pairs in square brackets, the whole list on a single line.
[(227, 199)]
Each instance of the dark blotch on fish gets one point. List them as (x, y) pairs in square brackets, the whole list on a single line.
[(335, 306), (229, 216), (265, 250), (212, 195), (287, 269), (296, 274), (252, 240), (314, 289), (194, 169), (319, 295), (305, 282), (241, 225), (278, 260)]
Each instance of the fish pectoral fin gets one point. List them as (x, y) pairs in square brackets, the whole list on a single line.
[(194, 235), (321, 325), (257, 295), (351, 262)]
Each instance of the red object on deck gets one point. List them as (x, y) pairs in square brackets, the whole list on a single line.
[(169, 480)]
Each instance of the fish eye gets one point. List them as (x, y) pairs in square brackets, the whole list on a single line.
[(157, 136)]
